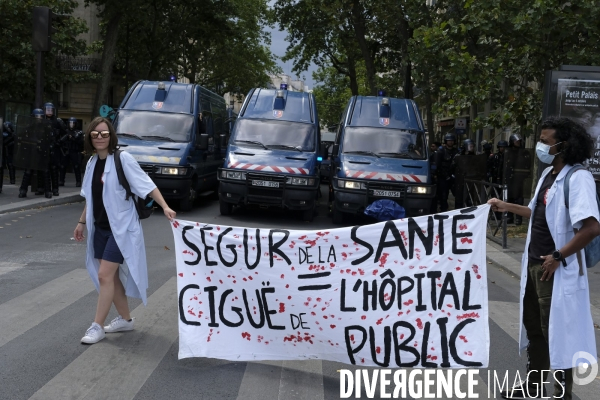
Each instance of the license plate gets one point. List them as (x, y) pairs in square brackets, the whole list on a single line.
[(386, 193), (265, 184)]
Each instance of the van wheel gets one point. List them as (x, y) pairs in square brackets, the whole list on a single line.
[(187, 203), (337, 215), (225, 208)]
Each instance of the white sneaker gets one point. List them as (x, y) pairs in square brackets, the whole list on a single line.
[(94, 334), (119, 325)]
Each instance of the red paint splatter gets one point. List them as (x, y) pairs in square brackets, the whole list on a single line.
[(378, 350), (246, 336), (466, 240), (180, 274), (419, 323), (383, 260), (332, 326), (379, 321), (281, 307), (363, 317)]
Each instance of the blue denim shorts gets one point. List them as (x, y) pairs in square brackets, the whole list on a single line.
[(105, 246)]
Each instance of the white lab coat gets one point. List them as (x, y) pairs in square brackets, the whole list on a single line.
[(123, 219), (571, 328)]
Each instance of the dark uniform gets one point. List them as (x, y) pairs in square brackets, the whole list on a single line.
[(517, 169), (8, 142), (496, 165), (43, 178), (443, 168), (58, 131), (467, 149), (71, 147)]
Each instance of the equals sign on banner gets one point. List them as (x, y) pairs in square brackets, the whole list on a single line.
[(314, 276)]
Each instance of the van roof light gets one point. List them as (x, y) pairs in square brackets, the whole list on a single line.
[(385, 101), (161, 86), (381, 93), (280, 93), (283, 86)]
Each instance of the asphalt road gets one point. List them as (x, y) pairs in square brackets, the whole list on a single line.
[(47, 302)]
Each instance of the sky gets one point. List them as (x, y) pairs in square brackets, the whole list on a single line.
[(278, 47)]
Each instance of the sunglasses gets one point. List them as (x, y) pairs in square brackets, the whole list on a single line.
[(95, 134)]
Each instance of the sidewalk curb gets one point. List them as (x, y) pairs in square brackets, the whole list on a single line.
[(43, 202)]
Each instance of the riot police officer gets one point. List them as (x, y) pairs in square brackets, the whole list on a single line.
[(518, 166), (458, 167), (443, 168), (42, 134), (7, 153), (486, 148), (71, 146), (433, 147), (58, 131), (496, 165)]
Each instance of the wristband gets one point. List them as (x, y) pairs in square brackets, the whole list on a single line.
[(82, 222)]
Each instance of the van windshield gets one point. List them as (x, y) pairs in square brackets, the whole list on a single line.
[(155, 125), (384, 142), (269, 133)]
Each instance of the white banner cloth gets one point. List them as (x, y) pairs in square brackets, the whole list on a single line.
[(404, 293)]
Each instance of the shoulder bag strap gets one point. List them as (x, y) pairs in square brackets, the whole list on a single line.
[(566, 195), (121, 174)]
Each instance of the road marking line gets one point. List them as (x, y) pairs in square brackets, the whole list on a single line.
[(118, 366), (30, 309), (6, 267)]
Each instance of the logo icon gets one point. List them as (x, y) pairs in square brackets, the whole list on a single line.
[(157, 105), (384, 121), (586, 370), (278, 113)]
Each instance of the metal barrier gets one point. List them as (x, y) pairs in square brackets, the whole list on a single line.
[(480, 192)]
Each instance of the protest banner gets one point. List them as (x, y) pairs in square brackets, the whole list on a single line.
[(404, 293)]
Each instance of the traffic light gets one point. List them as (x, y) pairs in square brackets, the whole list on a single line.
[(42, 28)]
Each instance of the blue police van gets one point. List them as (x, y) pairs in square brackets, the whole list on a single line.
[(178, 134), (273, 155), (380, 152)]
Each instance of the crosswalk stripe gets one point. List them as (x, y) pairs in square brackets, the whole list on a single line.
[(301, 380), (118, 366), (29, 309), (259, 381), (6, 267)]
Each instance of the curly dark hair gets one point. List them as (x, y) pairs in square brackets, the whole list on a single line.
[(580, 145)]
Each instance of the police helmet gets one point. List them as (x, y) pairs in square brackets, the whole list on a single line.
[(8, 127), (467, 142), (502, 143), (449, 136), (72, 122), (38, 113), (486, 145), (515, 137), (50, 109)]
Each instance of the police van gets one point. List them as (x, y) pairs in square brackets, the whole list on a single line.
[(178, 134), (380, 152), (273, 155)]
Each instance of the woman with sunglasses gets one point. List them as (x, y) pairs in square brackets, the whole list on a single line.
[(114, 229)]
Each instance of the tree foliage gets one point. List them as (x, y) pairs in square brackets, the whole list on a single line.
[(219, 44), (475, 52), (17, 80)]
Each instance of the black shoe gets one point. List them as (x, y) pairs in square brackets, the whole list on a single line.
[(78, 184), (48, 195), (22, 193), (55, 192), (61, 183), (521, 392), (39, 192)]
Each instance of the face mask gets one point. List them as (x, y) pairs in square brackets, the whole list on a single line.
[(543, 152)]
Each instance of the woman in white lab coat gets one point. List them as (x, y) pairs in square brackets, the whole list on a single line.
[(114, 230), (556, 323)]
